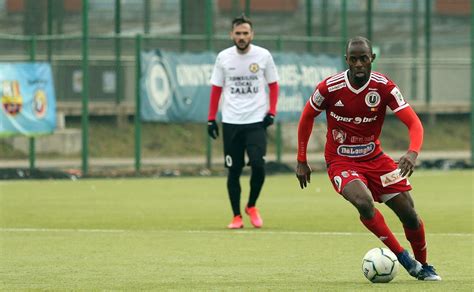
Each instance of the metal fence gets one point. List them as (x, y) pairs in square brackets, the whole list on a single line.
[(425, 45)]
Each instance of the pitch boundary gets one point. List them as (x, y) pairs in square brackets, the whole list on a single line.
[(224, 231)]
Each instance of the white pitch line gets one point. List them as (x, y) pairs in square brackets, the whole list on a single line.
[(224, 232)]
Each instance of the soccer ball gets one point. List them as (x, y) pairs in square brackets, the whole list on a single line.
[(380, 265)]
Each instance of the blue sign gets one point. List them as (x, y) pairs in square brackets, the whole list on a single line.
[(27, 99), (175, 87)]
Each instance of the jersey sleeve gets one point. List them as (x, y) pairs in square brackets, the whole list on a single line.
[(318, 100), (271, 74), (217, 77), (395, 101)]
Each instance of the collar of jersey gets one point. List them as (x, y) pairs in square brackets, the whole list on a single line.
[(356, 91)]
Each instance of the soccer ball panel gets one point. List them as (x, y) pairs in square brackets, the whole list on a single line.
[(380, 265)]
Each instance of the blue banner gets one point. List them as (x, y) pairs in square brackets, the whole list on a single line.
[(27, 99), (175, 86)]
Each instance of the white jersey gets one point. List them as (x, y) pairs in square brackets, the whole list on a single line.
[(244, 78)]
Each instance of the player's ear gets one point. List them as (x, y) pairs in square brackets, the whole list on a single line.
[(373, 57)]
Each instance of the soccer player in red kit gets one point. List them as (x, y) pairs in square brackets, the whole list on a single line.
[(355, 102)]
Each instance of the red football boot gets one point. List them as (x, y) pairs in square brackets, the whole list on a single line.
[(236, 223), (255, 218)]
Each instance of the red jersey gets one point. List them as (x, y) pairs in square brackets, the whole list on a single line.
[(355, 116)]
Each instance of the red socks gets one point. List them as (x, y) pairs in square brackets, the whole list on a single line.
[(378, 227), (416, 237)]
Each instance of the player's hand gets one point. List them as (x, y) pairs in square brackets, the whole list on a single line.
[(212, 129), (303, 173), (407, 163), (268, 120)]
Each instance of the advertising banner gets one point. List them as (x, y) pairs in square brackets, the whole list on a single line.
[(27, 99), (175, 87)]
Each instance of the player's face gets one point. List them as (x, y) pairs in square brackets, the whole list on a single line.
[(242, 35), (359, 59)]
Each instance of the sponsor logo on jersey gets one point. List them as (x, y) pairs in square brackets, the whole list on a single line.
[(391, 178), (355, 139), (338, 182), (356, 120), (398, 96), (336, 87), (345, 174), (339, 103), (356, 150), (317, 98), (339, 136), (340, 119), (372, 99), (254, 67)]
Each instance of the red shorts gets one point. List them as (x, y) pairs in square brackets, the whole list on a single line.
[(380, 175)]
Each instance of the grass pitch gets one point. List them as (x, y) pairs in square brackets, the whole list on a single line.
[(169, 234)]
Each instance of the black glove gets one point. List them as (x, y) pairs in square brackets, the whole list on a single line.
[(268, 120), (212, 129)]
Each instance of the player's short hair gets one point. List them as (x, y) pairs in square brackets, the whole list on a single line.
[(358, 40), (241, 20)]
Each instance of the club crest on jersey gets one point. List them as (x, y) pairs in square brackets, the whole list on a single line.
[(372, 99), (254, 67), (339, 136)]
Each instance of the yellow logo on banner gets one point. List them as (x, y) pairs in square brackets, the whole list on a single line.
[(12, 101), (40, 103)]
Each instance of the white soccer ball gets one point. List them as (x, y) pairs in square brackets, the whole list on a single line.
[(380, 265)]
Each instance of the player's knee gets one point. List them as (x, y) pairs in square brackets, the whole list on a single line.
[(365, 207), (235, 172), (411, 220)]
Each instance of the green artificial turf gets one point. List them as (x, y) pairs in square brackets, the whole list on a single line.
[(169, 234)]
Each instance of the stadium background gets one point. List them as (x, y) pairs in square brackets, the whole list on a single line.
[(425, 46)]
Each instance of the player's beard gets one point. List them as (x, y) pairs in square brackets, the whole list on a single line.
[(360, 80), (242, 49)]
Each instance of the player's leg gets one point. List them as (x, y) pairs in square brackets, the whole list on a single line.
[(404, 208), (234, 162), (390, 188), (359, 195), (256, 144)]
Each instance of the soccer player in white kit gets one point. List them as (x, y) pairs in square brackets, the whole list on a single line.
[(241, 75)]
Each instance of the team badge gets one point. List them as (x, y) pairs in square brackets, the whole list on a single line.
[(39, 103), (339, 136), (372, 99), (254, 67)]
